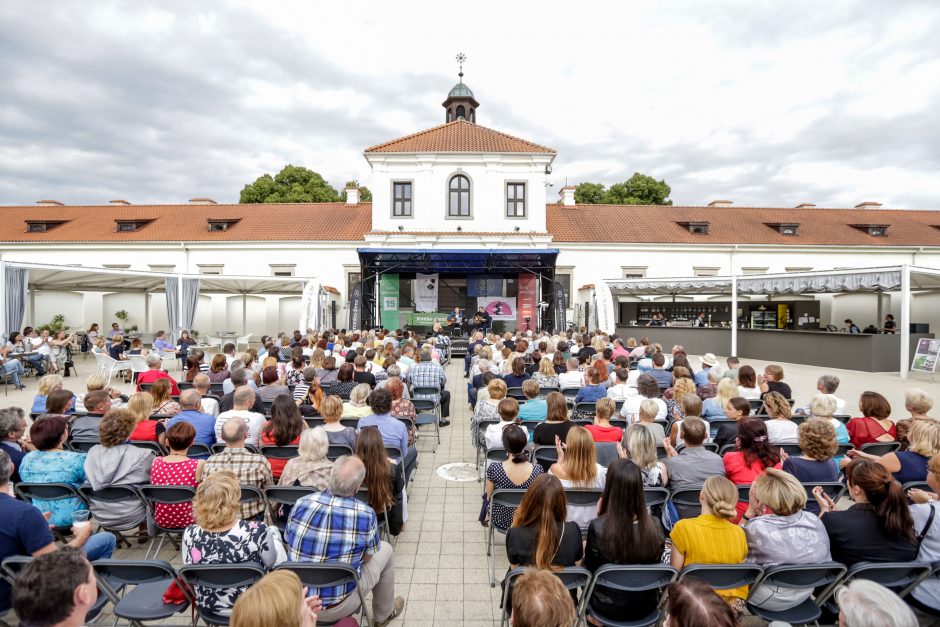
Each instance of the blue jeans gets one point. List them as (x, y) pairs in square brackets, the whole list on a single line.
[(39, 363), (100, 545), (14, 368)]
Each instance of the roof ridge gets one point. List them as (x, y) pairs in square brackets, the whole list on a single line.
[(456, 122)]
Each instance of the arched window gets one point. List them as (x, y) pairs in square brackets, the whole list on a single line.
[(458, 205), (461, 112)]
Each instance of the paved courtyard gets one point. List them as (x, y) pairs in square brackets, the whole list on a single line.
[(440, 556)]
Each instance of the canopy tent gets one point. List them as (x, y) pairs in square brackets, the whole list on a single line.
[(22, 279), (903, 279), (378, 261)]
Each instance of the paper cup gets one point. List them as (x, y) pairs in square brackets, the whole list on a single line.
[(81, 518)]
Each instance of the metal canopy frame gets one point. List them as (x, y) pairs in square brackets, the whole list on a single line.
[(375, 262), (909, 279)]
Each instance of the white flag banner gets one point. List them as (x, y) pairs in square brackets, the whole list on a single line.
[(426, 286)]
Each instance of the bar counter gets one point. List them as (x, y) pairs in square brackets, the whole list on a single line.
[(862, 351)]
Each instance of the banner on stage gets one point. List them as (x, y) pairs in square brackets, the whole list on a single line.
[(426, 288), (425, 319), (527, 305), (389, 300), (355, 306), (560, 305), (484, 285), (498, 308)]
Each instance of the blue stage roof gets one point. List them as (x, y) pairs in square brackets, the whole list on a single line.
[(458, 261)]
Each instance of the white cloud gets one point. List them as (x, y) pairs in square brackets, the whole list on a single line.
[(757, 102)]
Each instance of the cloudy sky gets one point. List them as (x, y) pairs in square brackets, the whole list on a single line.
[(759, 102)]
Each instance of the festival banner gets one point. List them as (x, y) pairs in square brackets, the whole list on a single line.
[(426, 287), (498, 308), (355, 307), (484, 285), (528, 307), (560, 305), (389, 301), (425, 319)]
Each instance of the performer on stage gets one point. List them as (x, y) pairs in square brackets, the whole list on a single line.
[(482, 319), (456, 320)]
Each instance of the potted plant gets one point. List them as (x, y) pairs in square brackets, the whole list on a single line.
[(122, 316)]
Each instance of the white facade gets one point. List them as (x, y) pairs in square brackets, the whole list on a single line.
[(430, 174)]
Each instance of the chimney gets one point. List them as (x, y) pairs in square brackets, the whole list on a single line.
[(50, 202), (720, 203), (805, 205), (202, 201), (352, 194), (567, 195), (868, 205), (119, 202)]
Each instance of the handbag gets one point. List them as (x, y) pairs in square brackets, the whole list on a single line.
[(923, 532), (174, 594), (484, 509)]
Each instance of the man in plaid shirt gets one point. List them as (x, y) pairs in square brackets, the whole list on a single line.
[(251, 469), (429, 373), (336, 526)]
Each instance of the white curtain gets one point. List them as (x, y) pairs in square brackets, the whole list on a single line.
[(190, 301)]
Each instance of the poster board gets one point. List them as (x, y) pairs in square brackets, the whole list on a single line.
[(499, 308), (925, 356)]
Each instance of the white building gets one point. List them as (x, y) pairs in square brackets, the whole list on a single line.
[(455, 186)]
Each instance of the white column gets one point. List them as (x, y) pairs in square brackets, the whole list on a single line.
[(734, 315), (179, 305), (146, 328), (244, 313), (905, 320)]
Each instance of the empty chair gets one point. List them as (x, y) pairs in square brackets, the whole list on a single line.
[(880, 448), (136, 588)]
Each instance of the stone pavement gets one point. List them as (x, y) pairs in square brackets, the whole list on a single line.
[(440, 556)]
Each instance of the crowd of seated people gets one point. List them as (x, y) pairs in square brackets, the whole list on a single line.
[(664, 419)]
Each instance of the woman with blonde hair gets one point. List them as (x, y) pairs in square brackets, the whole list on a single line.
[(780, 429), (317, 358), (916, 402), (310, 468), (683, 386), (488, 408), (97, 382), (221, 537), (712, 538), (714, 407), (163, 403), (332, 410), (147, 429), (356, 406), (47, 384), (780, 530), (546, 376), (823, 407), (641, 450), (910, 465), (577, 467), (278, 599)]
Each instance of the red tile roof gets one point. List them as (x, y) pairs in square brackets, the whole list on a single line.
[(740, 225), (460, 136), (188, 222)]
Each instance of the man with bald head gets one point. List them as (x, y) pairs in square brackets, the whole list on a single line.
[(250, 468), (202, 384), (243, 399), (334, 525), (204, 423)]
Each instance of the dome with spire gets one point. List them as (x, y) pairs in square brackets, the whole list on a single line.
[(460, 90)]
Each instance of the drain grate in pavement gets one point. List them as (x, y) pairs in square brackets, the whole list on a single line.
[(458, 471)]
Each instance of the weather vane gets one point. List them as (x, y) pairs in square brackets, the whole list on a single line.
[(461, 57)]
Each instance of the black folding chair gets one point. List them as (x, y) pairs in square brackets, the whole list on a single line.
[(686, 501), (327, 575), (819, 578), (585, 408), (382, 516), (480, 444), (583, 498), (880, 448), (834, 489), (337, 450), (573, 577), (154, 495), (315, 421), (504, 498), (793, 450), (723, 576), (135, 588), (10, 570), (619, 578), (727, 448), (428, 413), (899, 577), (546, 456), (289, 451), (31, 492), (919, 485), (251, 494), (516, 393), (149, 445), (220, 577), (655, 496), (125, 494), (283, 498), (198, 450), (496, 455)]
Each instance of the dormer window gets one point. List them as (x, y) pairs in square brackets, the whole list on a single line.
[(696, 228), (791, 229), (221, 224), (41, 226), (875, 230), (129, 226)]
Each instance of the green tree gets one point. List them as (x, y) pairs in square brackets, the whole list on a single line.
[(639, 189), (364, 194), (292, 184), (589, 193)]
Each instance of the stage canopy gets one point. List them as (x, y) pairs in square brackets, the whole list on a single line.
[(378, 261)]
